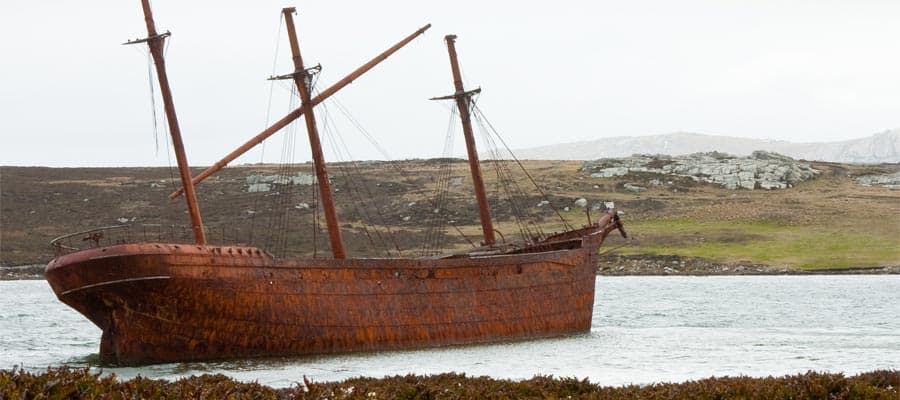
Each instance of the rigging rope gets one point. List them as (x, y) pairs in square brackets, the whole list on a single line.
[(279, 219), (360, 190), (510, 188), (481, 116), (434, 233), (262, 146), (153, 101), (257, 198)]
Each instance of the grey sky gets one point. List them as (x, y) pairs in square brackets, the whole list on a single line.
[(791, 70)]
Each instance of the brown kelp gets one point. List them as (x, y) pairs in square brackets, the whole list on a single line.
[(65, 383)]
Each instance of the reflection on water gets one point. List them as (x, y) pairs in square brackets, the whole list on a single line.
[(645, 329)]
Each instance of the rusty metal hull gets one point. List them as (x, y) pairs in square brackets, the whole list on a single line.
[(161, 303)]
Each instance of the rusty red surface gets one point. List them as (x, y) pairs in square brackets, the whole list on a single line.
[(165, 302)]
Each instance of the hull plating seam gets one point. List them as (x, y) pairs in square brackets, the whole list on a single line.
[(145, 278)]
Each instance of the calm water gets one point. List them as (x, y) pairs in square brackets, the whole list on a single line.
[(645, 329)]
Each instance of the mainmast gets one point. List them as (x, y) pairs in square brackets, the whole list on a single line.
[(155, 42), (303, 79), (293, 115), (463, 102)]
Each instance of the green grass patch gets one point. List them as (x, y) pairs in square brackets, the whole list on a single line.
[(805, 247)]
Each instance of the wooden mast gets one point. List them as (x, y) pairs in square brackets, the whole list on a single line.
[(303, 79), (155, 42), (463, 100), (293, 115)]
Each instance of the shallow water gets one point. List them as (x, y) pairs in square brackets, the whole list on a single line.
[(645, 329)]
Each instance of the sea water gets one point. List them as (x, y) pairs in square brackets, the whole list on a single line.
[(645, 329)]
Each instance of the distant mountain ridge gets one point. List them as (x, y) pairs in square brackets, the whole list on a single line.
[(881, 147)]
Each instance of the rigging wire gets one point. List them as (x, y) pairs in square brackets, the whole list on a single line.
[(285, 186), (262, 151), (395, 165), (262, 148), (153, 102), (430, 244), (435, 227), (368, 136), (509, 186), (363, 196), (316, 223), (155, 114), (481, 116)]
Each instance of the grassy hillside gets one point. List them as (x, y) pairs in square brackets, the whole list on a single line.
[(830, 222)]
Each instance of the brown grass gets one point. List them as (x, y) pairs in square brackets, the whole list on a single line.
[(683, 217)]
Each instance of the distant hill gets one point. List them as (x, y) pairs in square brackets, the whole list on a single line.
[(881, 147)]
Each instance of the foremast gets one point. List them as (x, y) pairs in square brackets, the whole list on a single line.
[(155, 42), (463, 103)]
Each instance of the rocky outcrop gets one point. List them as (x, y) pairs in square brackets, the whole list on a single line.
[(891, 181), (761, 170), (264, 183)]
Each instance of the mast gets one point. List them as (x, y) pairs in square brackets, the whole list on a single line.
[(155, 42), (463, 100), (303, 79), (296, 113)]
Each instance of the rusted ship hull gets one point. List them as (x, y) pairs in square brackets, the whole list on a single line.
[(165, 303)]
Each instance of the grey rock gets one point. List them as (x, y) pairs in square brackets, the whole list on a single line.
[(887, 180), (748, 173), (769, 185), (303, 179), (259, 187), (634, 188)]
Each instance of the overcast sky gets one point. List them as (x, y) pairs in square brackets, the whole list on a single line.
[(551, 72)]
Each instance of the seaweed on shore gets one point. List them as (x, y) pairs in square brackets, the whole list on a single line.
[(66, 383)]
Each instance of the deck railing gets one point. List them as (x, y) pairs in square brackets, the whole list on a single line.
[(121, 234)]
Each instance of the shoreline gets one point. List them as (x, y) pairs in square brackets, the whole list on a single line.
[(611, 266), (652, 265)]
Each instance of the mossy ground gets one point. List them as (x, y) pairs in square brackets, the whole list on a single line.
[(799, 246)]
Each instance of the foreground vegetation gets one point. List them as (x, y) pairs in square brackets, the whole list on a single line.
[(65, 383)]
